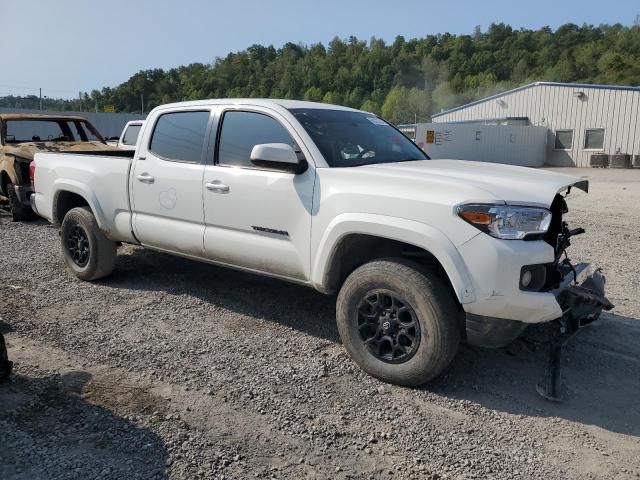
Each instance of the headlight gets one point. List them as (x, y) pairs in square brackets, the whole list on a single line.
[(507, 222)]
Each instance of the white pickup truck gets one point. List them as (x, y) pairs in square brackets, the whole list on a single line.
[(129, 136), (423, 253)]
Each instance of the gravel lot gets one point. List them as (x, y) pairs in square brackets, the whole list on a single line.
[(174, 369)]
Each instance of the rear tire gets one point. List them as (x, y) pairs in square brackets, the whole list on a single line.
[(88, 253), (399, 323), (20, 212)]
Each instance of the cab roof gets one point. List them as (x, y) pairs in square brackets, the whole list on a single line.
[(261, 102)]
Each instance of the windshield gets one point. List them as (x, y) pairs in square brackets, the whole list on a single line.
[(349, 139), (48, 130)]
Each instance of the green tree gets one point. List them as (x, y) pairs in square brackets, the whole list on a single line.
[(331, 97), (313, 94), (401, 80), (396, 106), (370, 106)]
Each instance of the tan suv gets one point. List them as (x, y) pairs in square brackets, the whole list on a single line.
[(24, 134)]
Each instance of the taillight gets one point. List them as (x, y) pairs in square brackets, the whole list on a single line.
[(32, 173)]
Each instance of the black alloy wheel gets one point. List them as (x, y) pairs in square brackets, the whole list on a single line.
[(89, 254), (388, 326), (78, 247)]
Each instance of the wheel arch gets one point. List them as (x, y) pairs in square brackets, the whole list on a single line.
[(70, 195), (352, 240), (5, 179)]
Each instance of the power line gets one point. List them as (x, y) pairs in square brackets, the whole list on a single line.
[(25, 92), (35, 89)]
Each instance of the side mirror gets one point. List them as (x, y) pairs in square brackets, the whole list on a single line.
[(277, 156)]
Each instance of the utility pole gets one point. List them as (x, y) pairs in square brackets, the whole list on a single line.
[(40, 98), (142, 103)]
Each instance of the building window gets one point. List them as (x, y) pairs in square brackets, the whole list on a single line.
[(594, 139), (564, 140), (409, 131)]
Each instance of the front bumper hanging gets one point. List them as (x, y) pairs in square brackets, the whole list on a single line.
[(582, 299)]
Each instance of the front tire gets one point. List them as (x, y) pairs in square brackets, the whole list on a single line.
[(19, 211), (399, 323), (88, 253)]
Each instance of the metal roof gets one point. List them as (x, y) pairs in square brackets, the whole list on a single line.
[(494, 119), (537, 84)]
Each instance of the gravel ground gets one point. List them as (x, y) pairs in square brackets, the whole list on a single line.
[(175, 369)]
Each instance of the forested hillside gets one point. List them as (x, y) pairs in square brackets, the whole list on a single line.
[(403, 80)]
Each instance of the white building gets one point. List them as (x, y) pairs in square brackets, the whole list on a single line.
[(524, 146), (580, 119)]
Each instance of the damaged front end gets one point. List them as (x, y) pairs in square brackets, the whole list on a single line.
[(579, 291)]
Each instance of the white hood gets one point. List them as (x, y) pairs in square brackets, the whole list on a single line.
[(513, 185)]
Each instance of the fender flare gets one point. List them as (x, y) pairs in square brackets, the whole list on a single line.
[(399, 229), (73, 186)]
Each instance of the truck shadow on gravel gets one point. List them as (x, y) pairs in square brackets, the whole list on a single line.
[(290, 305), (600, 367), (48, 429), (600, 371)]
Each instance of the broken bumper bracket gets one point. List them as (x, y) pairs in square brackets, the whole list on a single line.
[(582, 299)]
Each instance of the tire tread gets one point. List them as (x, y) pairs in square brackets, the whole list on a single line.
[(432, 288), (103, 263)]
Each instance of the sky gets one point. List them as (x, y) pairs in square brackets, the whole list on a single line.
[(68, 46)]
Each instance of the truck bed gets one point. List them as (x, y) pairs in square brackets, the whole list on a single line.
[(101, 178)]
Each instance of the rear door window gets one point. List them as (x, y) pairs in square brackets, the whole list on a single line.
[(180, 136)]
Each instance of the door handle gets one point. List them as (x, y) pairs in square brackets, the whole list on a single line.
[(145, 178), (217, 186)]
